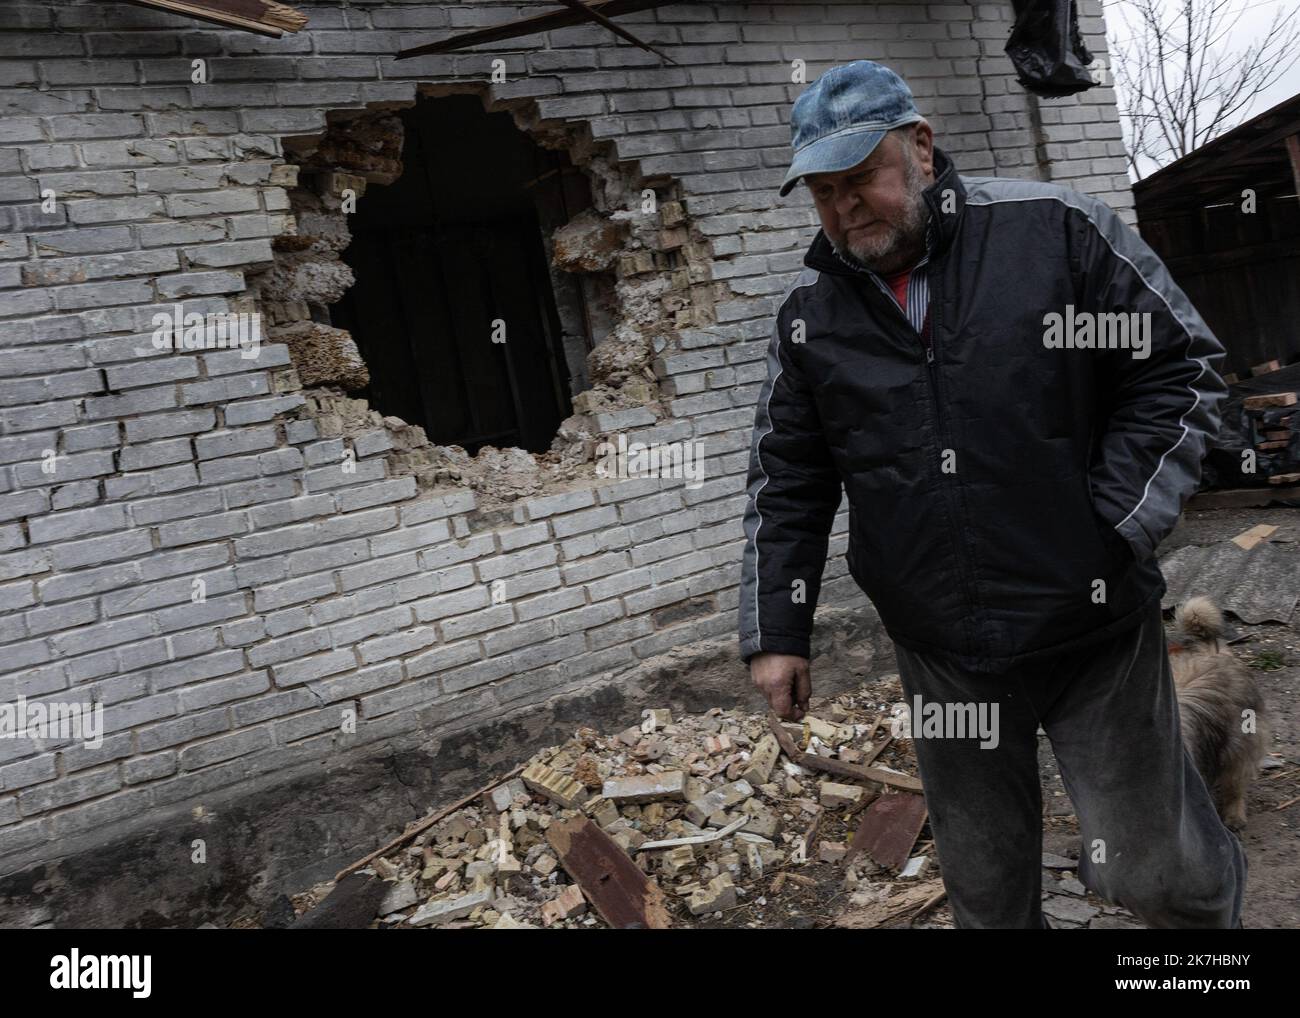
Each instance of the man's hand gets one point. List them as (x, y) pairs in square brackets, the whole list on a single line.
[(786, 682)]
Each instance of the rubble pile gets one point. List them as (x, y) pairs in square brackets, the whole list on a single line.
[(679, 821)]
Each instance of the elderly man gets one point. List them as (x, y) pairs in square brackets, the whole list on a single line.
[(1016, 398)]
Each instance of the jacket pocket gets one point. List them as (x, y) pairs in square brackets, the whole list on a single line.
[(1111, 539)]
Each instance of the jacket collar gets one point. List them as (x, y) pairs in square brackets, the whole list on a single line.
[(940, 232)]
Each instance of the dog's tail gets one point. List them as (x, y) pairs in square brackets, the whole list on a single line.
[(1200, 618)]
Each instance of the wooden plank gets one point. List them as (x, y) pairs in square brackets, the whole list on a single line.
[(611, 881), (903, 906), (265, 17), (846, 770), (888, 830), (1270, 399), (1240, 498), (1249, 538), (696, 839)]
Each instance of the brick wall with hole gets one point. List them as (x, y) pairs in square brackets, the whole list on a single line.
[(230, 554)]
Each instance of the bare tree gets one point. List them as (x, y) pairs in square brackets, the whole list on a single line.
[(1183, 80)]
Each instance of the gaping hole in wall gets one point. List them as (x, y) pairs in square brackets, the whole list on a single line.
[(455, 308), (422, 231)]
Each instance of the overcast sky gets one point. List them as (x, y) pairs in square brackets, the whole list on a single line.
[(1255, 19)]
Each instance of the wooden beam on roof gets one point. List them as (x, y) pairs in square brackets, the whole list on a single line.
[(265, 17), (533, 25), (1223, 153)]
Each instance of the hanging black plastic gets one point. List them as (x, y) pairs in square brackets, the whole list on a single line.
[(1047, 50)]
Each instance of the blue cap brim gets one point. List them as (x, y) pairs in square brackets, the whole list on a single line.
[(831, 155)]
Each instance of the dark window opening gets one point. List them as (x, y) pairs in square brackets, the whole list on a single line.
[(456, 243)]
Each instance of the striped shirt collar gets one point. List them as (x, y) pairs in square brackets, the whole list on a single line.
[(918, 284)]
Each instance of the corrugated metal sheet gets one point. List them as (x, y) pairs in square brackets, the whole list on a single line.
[(1260, 585)]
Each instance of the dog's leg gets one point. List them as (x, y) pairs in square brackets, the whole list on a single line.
[(1235, 815), (1232, 796)]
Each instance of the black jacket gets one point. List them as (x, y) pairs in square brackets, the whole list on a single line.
[(1005, 497)]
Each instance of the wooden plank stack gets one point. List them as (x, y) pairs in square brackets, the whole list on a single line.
[(1271, 418)]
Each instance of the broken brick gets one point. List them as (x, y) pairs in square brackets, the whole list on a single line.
[(558, 788), (646, 787)]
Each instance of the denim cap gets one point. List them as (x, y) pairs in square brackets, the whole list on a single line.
[(840, 118)]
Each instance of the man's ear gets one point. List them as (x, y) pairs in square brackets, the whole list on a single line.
[(922, 141)]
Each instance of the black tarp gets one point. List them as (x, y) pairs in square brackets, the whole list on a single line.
[(1047, 50)]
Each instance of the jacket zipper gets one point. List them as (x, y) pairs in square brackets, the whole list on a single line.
[(932, 376), (950, 491)]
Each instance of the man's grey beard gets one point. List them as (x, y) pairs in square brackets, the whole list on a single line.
[(904, 242)]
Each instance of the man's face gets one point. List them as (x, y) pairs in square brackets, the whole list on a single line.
[(874, 211)]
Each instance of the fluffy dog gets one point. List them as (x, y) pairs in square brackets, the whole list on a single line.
[(1224, 718)]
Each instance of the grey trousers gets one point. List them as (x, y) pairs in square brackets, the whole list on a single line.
[(1152, 840)]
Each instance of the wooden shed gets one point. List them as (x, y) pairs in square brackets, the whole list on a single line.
[(1226, 221)]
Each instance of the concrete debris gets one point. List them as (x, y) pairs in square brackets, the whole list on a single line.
[(717, 801), (509, 922), (323, 355), (834, 795), (624, 355), (646, 788), (678, 861), (359, 143), (762, 760), (588, 243), (505, 795), (441, 910), (599, 830), (401, 894), (570, 903), (718, 894), (653, 720), (561, 789)]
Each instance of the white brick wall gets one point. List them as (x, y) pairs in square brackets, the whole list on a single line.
[(327, 590)]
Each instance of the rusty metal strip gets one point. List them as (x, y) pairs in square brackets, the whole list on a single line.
[(600, 19), (532, 25), (608, 877), (888, 830), (783, 737)]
